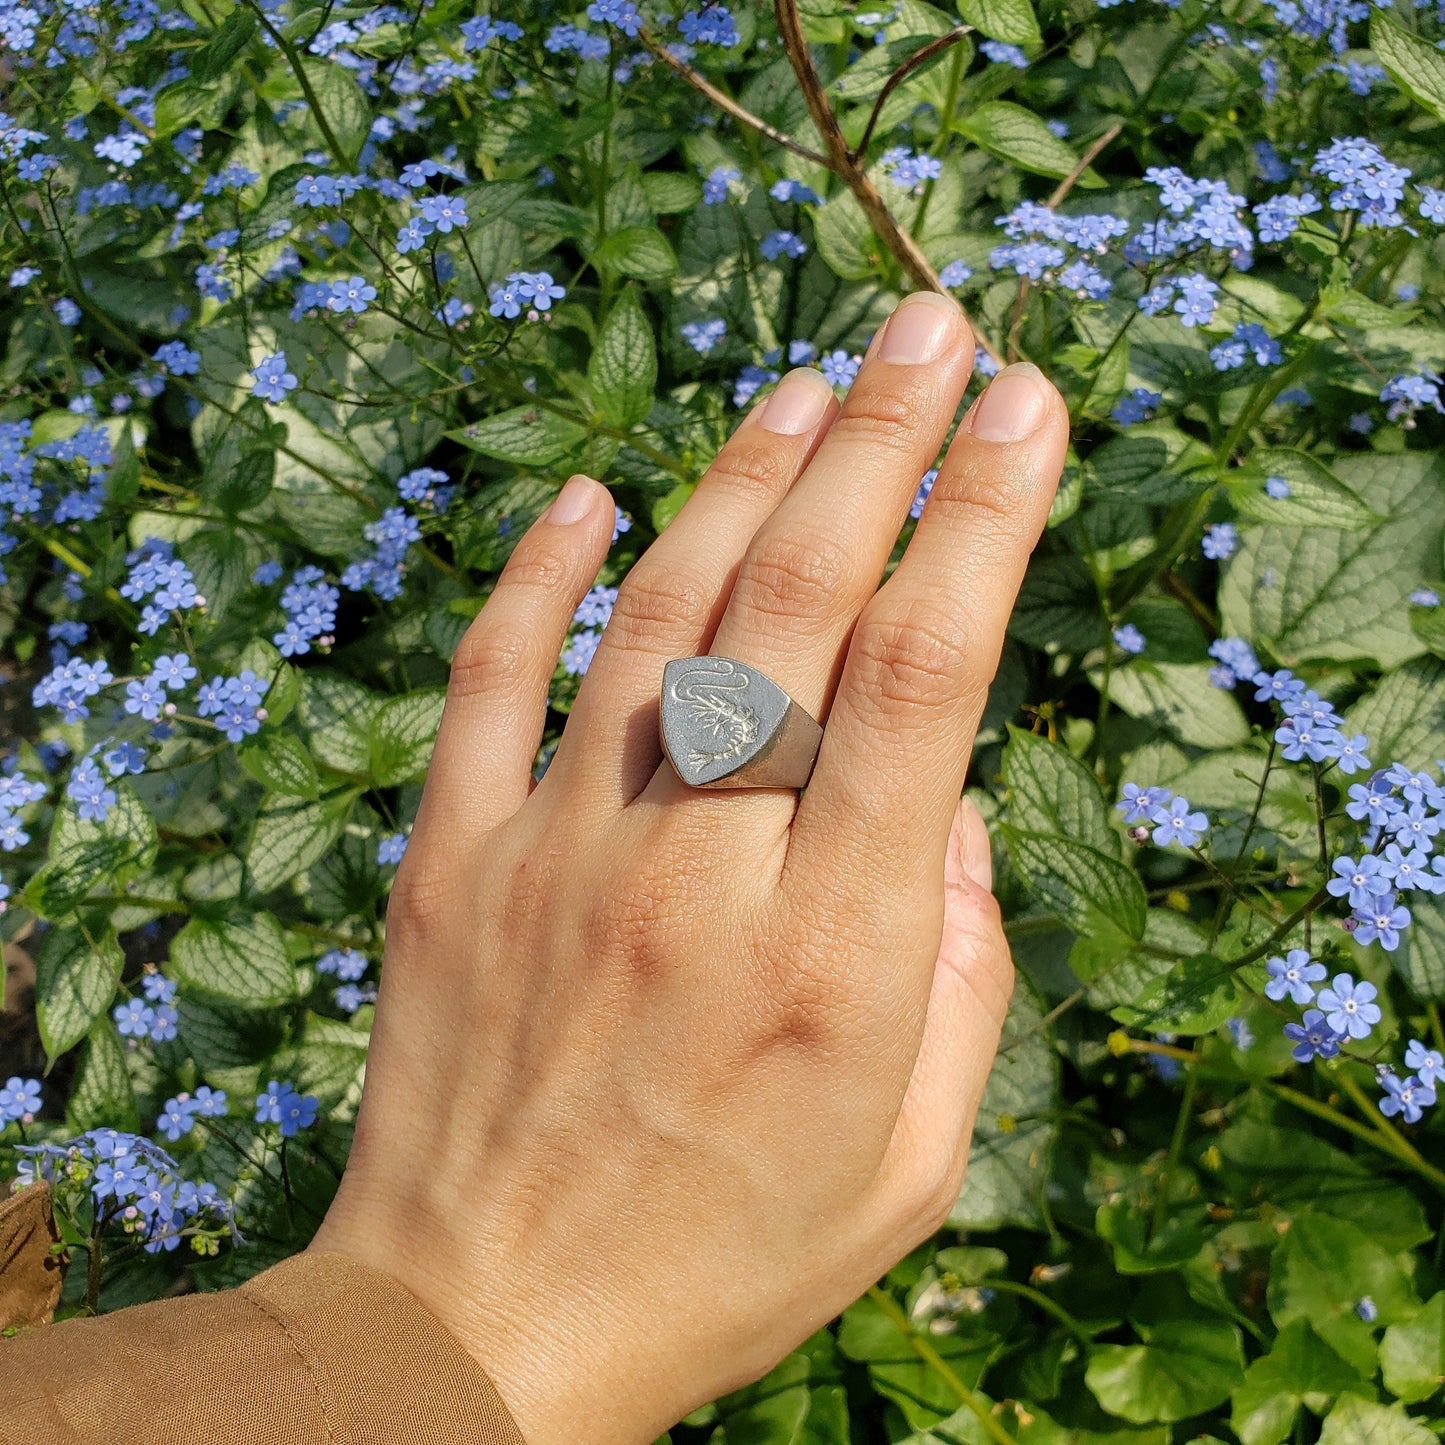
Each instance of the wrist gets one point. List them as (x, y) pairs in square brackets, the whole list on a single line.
[(549, 1351)]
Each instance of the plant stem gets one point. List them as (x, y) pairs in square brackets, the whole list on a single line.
[(1176, 1147), (1362, 1132), (925, 1351)]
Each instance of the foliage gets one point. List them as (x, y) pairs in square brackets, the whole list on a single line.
[(308, 313)]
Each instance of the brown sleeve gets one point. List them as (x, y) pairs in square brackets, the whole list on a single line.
[(318, 1350)]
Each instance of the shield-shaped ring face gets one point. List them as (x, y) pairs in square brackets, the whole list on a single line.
[(726, 725)]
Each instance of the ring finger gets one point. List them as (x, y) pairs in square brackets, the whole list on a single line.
[(817, 560), (670, 600)]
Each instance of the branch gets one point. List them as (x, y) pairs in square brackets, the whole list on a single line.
[(841, 160), (919, 57), (727, 103)]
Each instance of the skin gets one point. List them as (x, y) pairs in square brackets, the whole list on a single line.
[(661, 1079)]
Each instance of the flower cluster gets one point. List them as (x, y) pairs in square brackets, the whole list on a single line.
[(1174, 819), (130, 1182)]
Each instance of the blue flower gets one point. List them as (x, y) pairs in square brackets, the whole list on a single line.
[(792, 191), (271, 379), (1277, 487), (391, 848), (839, 368), (1408, 1096), (1313, 1037), (282, 1105), (715, 186), (133, 1018), (1138, 805), (1361, 882), (352, 295), (176, 358), (750, 380), (1219, 541), (86, 789), (346, 963), (1348, 1006), (577, 655), (19, 1100), (1139, 405), (782, 243), (1381, 921), (177, 1117), (1002, 54), (620, 13), (1129, 638), (954, 274), (925, 489), (1294, 975), (1426, 1062), (1424, 597), (621, 523), (704, 336), (1176, 824), (711, 25), (446, 213)]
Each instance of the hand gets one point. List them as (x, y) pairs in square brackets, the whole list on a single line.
[(661, 1079)]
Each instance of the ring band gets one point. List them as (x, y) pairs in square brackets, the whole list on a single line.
[(727, 725)]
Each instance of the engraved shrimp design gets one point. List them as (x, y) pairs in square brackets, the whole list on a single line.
[(724, 717)]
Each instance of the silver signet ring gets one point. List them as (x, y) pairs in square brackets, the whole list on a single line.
[(725, 725)]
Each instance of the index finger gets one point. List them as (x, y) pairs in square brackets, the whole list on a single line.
[(896, 748)]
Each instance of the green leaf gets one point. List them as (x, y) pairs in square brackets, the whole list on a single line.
[(1417, 67), (289, 836), (1018, 136), (402, 735), (641, 252), (128, 823), (227, 41), (1412, 1353), (60, 885), (1326, 594), (529, 435), (772, 1410), (1177, 697), (1058, 606), (1193, 996), (1081, 884), (1300, 1369), (1319, 1273), (101, 1094), (242, 960), (622, 370), (75, 982), (845, 238), (280, 763), (1009, 20), (342, 102), (1356, 1421), (1183, 1367), (1051, 791), (1420, 958), (1401, 717), (338, 713), (870, 1336), (1317, 497), (1013, 1135)]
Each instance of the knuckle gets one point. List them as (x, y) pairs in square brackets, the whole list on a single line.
[(654, 605), (916, 660), (420, 906), (491, 657), (758, 472), (884, 418), (543, 569), (791, 575)]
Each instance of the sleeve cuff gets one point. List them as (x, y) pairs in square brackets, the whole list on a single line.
[(386, 1369)]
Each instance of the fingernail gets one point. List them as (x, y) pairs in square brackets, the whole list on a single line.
[(573, 502), (798, 404), (1013, 405), (918, 329)]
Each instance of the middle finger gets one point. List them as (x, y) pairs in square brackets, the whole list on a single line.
[(817, 560)]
